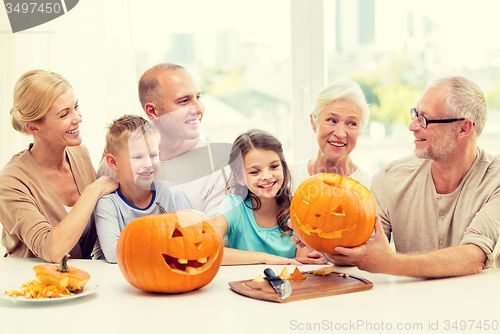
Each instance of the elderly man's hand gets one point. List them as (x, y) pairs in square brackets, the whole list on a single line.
[(374, 256)]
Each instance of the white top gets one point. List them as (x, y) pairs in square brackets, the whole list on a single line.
[(202, 174), (299, 173)]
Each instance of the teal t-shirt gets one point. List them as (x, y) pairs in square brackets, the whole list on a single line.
[(244, 233)]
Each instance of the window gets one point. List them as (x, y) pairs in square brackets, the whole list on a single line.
[(392, 48), (238, 52)]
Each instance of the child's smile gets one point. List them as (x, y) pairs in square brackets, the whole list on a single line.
[(264, 173)]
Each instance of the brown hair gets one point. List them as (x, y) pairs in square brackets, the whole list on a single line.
[(123, 128), (260, 139), (149, 86), (34, 93)]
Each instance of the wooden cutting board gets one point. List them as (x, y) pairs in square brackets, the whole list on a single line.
[(313, 287)]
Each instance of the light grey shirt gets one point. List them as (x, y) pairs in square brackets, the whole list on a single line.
[(421, 220), (113, 212)]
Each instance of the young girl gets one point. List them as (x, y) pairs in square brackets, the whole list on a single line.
[(255, 213)]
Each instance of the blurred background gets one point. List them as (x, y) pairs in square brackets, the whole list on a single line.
[(246, 56), (259, 63)]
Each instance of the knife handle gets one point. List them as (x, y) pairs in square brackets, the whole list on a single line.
[(270, 275)]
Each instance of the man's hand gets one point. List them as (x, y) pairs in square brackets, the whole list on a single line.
[(374, 256)]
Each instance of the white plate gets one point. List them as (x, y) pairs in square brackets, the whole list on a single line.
[(86, 291)]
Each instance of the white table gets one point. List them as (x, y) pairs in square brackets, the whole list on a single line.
[(407, 304)]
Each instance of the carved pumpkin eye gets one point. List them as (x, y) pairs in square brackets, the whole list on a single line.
[(338, 211), (207, 228), (177, 233)]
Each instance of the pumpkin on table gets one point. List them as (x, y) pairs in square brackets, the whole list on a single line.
[(169, 252), (330, 210), (63, 276)]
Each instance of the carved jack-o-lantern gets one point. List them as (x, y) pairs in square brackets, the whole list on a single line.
[(170, 252), (330, 210)]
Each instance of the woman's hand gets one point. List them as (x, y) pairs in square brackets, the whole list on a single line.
[(105, 185)]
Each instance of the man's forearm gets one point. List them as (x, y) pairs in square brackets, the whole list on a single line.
[(452, 261)]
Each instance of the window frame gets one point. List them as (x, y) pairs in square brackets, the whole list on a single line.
[(309, 71)]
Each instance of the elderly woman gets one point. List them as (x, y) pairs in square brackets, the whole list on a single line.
[(48, 191), (339, 114)]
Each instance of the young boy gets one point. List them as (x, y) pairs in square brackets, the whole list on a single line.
[(132, 151)]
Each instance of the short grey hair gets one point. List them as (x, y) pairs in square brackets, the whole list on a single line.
[(149, 86), (465, 100), (342, 90)]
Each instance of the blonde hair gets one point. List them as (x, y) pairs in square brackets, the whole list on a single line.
[(34, 93), (125, 127)]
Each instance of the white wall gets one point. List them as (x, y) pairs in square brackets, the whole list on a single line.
[(93, 52)]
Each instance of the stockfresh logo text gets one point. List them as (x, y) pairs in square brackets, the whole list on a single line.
[(26, 14)]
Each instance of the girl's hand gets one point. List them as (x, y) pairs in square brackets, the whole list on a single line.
[(314, 257), (273, 259)]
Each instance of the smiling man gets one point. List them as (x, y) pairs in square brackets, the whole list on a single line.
[(171, 99), (442, 204)]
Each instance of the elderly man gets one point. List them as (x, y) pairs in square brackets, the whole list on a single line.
[(442, 205)]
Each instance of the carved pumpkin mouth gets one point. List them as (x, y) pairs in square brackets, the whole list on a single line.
[(189, 267), (309, 230)]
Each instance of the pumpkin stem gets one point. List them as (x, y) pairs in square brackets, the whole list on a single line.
[(63, 266), (161, 209)]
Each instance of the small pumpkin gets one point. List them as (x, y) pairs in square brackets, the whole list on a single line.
[(330, 210), (63, 275), (169, 252)]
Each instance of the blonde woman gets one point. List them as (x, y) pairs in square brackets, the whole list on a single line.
[(48, 191)]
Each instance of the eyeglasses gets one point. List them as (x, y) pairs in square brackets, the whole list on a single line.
[(423, 122)]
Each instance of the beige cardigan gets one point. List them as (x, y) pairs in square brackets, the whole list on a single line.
[(29, 208)]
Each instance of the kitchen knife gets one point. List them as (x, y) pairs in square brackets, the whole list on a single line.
[(283, 288)]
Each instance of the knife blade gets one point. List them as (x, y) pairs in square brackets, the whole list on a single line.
[(282, 288)]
